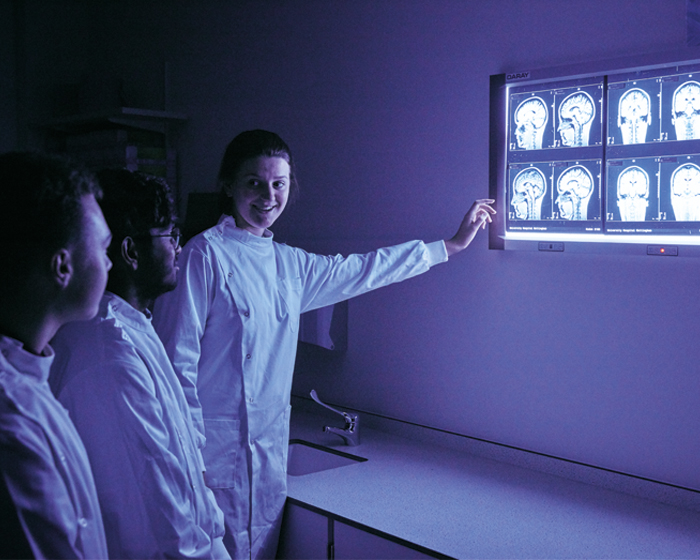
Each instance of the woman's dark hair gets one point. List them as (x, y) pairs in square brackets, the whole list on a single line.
[(250, 145), (40, 206), (133, 203)]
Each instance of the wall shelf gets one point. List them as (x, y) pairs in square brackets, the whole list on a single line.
[(130, 137), (146, 119)]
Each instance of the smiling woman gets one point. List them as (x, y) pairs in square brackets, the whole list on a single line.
[(230, 329), (252, 162), (260, 192)]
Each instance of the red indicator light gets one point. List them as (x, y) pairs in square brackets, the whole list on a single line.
[(670, 251)]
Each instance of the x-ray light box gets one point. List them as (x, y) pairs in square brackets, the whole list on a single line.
[(601, 158)]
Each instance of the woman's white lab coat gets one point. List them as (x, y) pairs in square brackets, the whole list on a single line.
[(230, 329)]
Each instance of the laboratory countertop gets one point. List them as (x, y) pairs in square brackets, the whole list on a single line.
[(468, 506)]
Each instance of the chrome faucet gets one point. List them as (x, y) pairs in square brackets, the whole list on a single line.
[(351, 432)]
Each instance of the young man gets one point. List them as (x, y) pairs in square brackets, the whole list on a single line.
[(53, 270), (113, 375)]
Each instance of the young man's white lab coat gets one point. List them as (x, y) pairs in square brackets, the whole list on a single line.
[(43, 462), (114, 377)]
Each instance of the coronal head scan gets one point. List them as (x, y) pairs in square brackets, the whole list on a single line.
[(576, 114), (529, 188), (685, 193), (633, 194), (686, 111), (574, 189), (634, 116), (531, 116)]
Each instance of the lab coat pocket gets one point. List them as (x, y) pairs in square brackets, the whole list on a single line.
[(289, 303), (221, 450)]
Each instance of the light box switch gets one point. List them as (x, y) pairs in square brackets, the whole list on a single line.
[(555, 247)]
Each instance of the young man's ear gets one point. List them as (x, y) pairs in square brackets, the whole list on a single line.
[(129, 254), (62, 267)]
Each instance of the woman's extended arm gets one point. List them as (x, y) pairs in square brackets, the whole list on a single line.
[(477, 217)]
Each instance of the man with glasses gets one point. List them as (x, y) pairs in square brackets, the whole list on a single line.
[(114, 377)]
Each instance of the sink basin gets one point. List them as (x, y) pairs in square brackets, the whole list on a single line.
[(306, 458)]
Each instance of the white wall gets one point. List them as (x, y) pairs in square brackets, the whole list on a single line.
[(385, 103)]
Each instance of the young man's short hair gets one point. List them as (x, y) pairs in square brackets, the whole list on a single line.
[(40, 208)]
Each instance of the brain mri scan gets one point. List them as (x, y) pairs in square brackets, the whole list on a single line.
[(634, 116), (686, 111), (574, 190), (531, 116), (576, 113), (685, 193), (529, 188), (633, 194)]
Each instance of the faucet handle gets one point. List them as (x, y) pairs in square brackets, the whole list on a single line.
[(345, 415), (351, 432)]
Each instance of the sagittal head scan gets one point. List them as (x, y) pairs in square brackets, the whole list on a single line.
[(574, 189), (634, 116), (633, 194), (686, 111), (576, 114), (685, 193), (531, 116), (529, 188)]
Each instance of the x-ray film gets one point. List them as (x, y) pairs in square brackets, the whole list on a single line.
[(531, 121), (578, 116), (577, 191), (659, 194), (634, 112), (530, 192), (554, 196), (680, 107), (632, 190), (555, 116)]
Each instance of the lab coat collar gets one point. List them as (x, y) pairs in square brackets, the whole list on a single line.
[(230, 229), (125, 312), (36, 367)]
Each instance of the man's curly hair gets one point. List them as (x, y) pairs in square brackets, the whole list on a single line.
[(133, 203)]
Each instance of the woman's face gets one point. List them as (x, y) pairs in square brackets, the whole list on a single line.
[(260, 193)]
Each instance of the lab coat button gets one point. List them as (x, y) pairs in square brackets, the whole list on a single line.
[(82, 522), (247, 356), (247, 313), (250, 399)]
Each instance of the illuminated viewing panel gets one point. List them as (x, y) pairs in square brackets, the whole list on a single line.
[(610, 157)]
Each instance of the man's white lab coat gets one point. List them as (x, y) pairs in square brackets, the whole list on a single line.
[(43, 462), (115, 378)]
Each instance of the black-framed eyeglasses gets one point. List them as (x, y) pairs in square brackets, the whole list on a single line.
[(174, 235)]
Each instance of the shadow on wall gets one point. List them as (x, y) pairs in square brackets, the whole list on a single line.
[(202, 213)]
